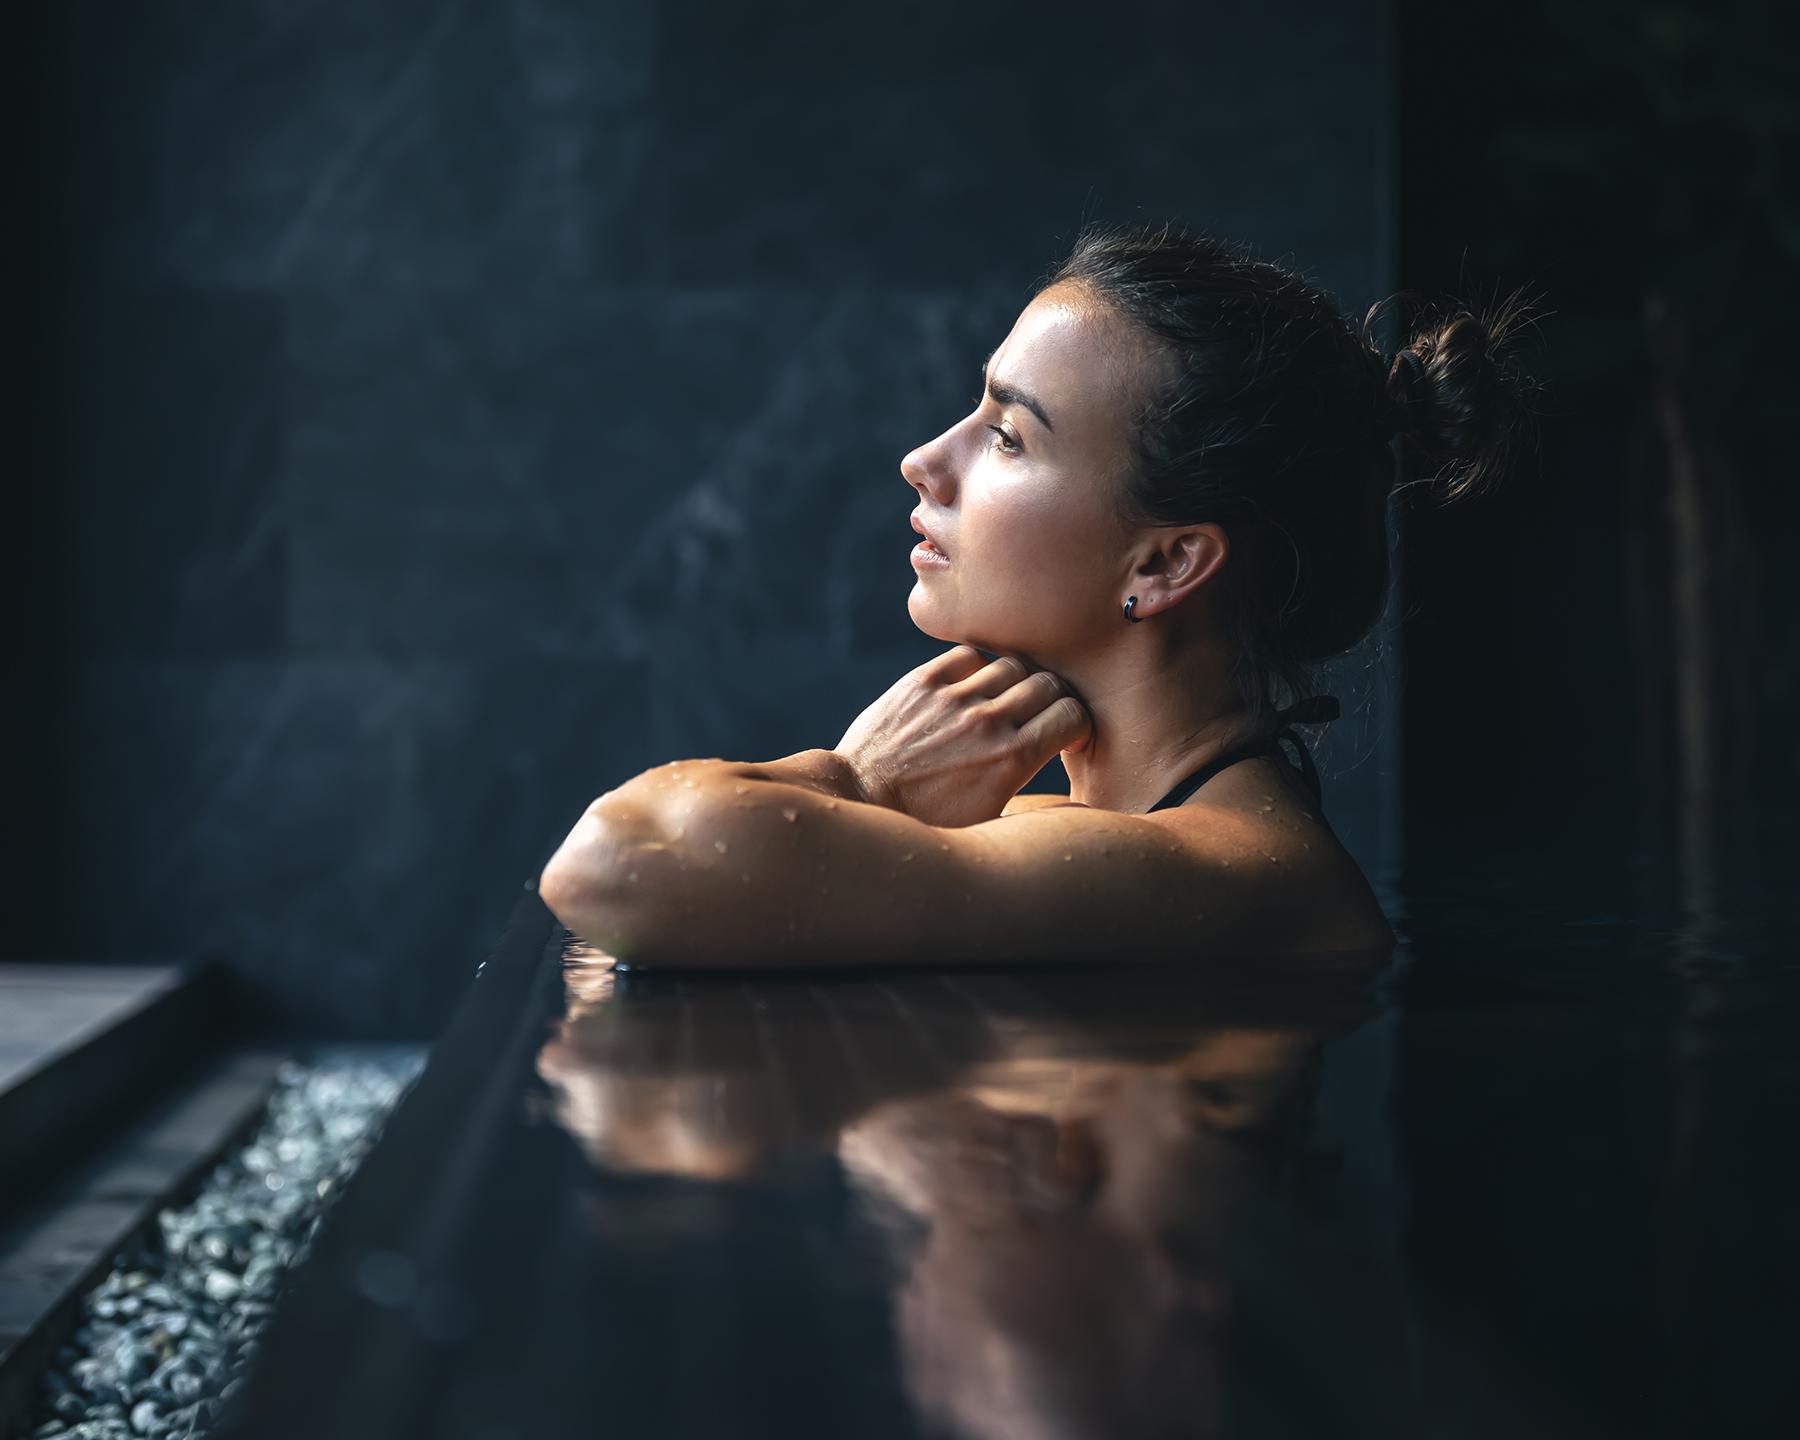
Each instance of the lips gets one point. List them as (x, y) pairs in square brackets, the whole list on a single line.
[(936, 543)]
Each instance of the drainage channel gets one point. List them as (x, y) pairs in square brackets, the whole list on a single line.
[(163, 1342)]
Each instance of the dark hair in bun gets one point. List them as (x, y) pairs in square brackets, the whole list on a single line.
[(1274, 417)]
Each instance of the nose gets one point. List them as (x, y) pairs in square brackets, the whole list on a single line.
[(912, 468), (924, 469)]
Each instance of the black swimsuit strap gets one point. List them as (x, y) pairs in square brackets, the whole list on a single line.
[(1314, 707)]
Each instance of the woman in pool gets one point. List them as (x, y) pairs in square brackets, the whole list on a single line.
[(1165, 512)]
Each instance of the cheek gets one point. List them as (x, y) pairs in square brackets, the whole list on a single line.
[(1037, 545)]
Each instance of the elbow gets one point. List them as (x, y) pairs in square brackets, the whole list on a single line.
[(567, 894), (590, 911), (558, 889), (580, 883)]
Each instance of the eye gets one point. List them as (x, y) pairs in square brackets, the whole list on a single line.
[(1010, 445)]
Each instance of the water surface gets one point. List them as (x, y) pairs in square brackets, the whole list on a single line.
[(1532, 1178)]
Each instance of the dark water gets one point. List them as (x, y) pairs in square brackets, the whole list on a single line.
[(1534, 1178)]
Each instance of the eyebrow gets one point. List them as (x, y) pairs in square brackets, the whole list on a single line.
[(1006, 395)]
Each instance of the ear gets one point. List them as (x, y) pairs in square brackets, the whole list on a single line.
[(1176, 563)]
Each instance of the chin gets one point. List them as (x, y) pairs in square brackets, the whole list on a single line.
[(919, 612), (953, 635)]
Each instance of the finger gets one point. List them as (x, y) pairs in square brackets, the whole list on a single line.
[(1036, 692), (1066, 725), (995, 678), (957, 663)]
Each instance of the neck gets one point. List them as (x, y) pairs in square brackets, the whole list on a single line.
[(1156, 718)]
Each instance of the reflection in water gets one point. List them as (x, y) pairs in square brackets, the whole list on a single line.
[(1535, 1181), (1106, 1200)]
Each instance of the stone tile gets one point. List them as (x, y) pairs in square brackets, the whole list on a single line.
[(179, 416), (349, 835), (435, 142), (759, 698), (975, 139), (47, 1009), (448, 145), (616, 473)]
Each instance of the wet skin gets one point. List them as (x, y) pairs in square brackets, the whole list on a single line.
[(908, 842)]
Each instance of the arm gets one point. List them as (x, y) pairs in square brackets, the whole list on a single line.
[(790, 877), (823, 771), (629, 833)]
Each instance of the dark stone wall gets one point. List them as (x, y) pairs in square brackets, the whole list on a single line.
[(463, 407)]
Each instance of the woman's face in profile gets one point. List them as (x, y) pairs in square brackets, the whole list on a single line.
[(1023, 502)]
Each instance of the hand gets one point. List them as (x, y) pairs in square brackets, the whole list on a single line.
[(953, 740)]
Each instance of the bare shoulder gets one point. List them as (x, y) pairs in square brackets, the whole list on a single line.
[(1255, 870), (1258, 822), (1257, 815)]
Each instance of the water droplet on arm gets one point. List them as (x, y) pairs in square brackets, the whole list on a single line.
[(789, 813), (720, 846)]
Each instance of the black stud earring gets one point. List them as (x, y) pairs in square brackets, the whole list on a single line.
[(1134, 619)]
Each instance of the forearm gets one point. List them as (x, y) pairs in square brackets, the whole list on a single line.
[(824, 771), (657, 804), (666, 788)]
